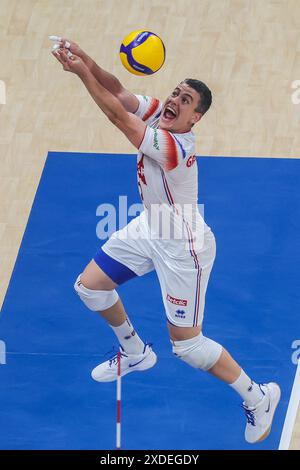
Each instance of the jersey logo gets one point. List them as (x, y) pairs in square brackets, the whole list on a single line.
[(190, 161), (140, 169), (173, 300), (155, 140)]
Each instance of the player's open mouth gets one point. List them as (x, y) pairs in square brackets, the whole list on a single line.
[(169, 113)]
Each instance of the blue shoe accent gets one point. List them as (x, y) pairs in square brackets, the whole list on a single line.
[(136, 363), (249, 416)]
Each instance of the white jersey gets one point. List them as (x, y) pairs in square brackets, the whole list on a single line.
[(182, 259), (168, 174)]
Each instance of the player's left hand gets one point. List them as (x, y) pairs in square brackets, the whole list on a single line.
[(70, 61)]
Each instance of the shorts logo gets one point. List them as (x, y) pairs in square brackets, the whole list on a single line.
[(173, 300), (180, 313)]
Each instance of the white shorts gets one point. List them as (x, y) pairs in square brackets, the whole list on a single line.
[(183, 273)]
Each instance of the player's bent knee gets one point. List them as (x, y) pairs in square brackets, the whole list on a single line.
[(199, 352), (95, 300)]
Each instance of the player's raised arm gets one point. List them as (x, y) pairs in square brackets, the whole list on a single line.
[(112, 84), (132, 126), (106, 79)]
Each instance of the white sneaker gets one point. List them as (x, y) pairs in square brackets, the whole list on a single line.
[(107, 371), (260, 417)]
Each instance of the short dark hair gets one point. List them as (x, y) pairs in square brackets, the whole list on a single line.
[(203, 91)]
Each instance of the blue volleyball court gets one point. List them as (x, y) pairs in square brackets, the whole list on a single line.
[(49, 401)]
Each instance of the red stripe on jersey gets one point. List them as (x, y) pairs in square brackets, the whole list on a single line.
[(153, 107), (171, 152)]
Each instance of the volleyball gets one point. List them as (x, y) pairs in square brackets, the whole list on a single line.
[(142, 52)]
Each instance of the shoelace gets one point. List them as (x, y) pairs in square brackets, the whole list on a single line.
[(249, 415), (114, 359)]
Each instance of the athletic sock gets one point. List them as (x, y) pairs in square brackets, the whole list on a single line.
[(248, 390), (128, 338)]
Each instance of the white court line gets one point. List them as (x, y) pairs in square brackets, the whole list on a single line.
[(291, 414)]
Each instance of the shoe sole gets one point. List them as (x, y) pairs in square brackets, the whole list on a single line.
[(267, 432), (139, 368)]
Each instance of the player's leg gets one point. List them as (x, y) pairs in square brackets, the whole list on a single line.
[(259, 400), (94, 278), (225, 368), (190, 345), (184, 287), (96, 288)]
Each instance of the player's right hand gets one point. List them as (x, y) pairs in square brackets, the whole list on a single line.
[(70, 62), (71, 46)]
